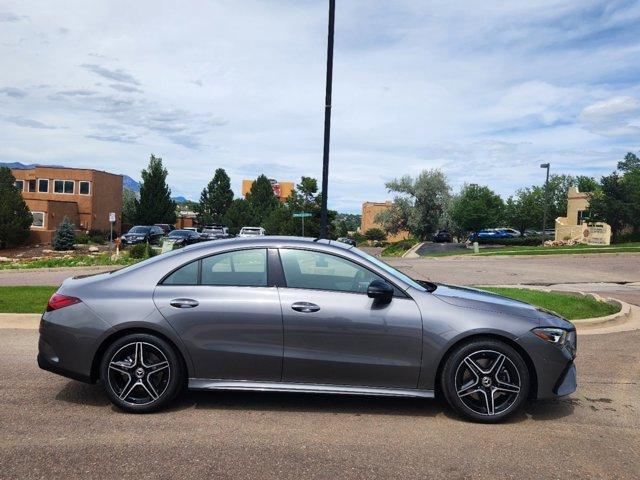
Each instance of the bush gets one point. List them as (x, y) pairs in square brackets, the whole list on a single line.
[(375, 234), (82, 239), (514, 241), (142, 250), (396, 249), (65, 236), (628, 237)]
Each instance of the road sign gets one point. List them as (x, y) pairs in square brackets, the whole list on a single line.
[(112, 216), (302, 215)]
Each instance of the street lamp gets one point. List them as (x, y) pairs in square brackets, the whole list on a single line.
[(546, 200), (327, 121)]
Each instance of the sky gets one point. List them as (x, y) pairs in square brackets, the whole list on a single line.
[(484, 90)]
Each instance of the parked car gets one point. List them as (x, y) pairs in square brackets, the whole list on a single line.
[(301, 315), (181, 238), (166, 228), (442, 236), (252, 232), (492, 233), (347, 240), (512, 232), (532, 232), (193, 229), (142, 234), (214, 232)]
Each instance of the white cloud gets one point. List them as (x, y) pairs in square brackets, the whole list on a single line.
[(615, 117)]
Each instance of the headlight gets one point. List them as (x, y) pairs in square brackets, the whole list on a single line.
[(557, 336)]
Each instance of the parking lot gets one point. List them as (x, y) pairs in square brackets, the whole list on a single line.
[(53, 427)]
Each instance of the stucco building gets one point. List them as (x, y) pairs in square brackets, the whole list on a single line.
[(282, 190), (575, 227), (86, 196), (367, 221)]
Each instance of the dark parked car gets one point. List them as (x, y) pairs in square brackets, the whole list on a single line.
[(347, 240), (142, 234), (301, 315), (214, 232), (442, 236), (181, 238), (166, 228)]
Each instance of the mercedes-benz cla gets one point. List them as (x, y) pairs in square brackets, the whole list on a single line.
[(298, 315)]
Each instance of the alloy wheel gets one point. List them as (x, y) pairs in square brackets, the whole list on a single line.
[(139, 373), (487, 382)]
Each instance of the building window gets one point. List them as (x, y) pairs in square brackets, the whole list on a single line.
[(32, 185), (63, 186), (84, 187), (19, 184), (43, 185), (38, 219)]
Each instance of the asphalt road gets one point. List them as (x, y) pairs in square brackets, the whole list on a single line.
[(461, 270), (51, 427)]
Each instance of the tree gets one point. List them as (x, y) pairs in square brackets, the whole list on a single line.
[(477, 208), (526, 209), (375, 234), (238, 215), (345, 223), (155, 204), (419, 205), (65, 236), (261, 200), (215, 199), (586, 184), (609, 203), (15, 217), (128, 206)]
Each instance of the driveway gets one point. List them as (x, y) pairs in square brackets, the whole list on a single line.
[(53, 427)]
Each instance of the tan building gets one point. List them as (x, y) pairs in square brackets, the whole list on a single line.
[(574, 226), (86, 196), (369, 212), (282, 190)]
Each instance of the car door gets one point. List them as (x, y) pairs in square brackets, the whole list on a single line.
[(335, 334), (227, 314)]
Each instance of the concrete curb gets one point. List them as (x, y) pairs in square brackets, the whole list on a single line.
[(583, 324), (411, 253)]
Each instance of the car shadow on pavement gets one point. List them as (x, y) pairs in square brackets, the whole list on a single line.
[(83, 394)]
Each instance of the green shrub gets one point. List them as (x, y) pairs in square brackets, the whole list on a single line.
[(514, 241), (142, 250), (97, 239), (65, 236), (628, 237), (396, 249), (375, 234), (82, 239)]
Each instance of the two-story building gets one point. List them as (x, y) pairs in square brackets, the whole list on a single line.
[(86, 196)]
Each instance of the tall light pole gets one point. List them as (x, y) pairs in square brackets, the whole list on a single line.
[(327, 121), (546, 200)]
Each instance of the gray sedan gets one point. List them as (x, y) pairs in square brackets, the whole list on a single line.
[(301, 315)]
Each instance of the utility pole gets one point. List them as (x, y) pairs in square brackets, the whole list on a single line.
[(546, 201), (327, 121)]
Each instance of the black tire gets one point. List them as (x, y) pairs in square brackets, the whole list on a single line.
[(478, 387), (141, 386)]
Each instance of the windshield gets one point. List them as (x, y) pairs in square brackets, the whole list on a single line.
[(179, 233), (139, 230), (250, 230), (389, 269)]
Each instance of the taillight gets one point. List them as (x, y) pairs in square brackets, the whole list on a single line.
[(58, 301)]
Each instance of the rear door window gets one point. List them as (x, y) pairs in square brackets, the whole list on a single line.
[(246, 268)]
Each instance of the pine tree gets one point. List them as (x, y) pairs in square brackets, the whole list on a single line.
[(15, 217), (261, 200), (65, 236), (215, 199), (155, 204)]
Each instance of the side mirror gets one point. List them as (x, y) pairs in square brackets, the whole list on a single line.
[(380, 290)]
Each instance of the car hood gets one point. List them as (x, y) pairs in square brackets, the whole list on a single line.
[(491, 302)]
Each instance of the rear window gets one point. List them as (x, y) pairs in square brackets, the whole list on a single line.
[(240, 268)]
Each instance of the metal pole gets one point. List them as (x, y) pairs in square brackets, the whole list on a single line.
[(327, 121), (546, 201), (303, 226)]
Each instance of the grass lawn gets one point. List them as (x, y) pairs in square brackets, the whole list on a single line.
[(397, 249), (31, 299), (568, 306), (539, 250)]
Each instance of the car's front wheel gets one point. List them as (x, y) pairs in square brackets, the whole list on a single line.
[(485, 380), (141, 373)]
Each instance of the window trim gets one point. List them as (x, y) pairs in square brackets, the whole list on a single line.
[(200, 259), (38, 185), (80, 182), (44, 220), (398, 292), (35, 189), (73, 192)]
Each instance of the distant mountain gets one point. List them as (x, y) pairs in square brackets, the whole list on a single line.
[(25, 166), (130, 183)]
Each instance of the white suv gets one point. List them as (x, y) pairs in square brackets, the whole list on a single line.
[(252, 232)]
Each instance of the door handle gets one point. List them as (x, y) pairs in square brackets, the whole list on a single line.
[(305, 307), (183, 303)]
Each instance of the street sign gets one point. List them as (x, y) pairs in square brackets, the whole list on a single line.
[(302, 215), (112, 216)]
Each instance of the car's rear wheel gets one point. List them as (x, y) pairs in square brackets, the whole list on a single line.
[(141, 373), (485, 380)]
